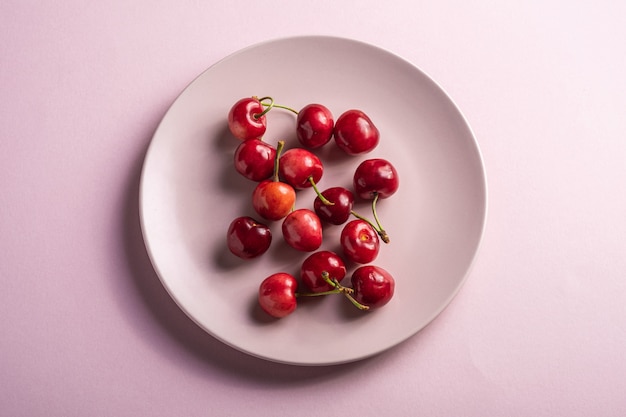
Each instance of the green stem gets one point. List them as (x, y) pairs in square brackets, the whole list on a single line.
[(272, 105), (377, 227), (383, 235), (347, 292), (280, 106), (356, 303), (269, 107), (323, 199), (279, 150), (315, 294)]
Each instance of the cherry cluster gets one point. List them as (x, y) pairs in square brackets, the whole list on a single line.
[(281, 173)]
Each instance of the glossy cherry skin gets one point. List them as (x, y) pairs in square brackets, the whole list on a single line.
[(373, 286), (254, 159), (273, 200), (339, 212), (248, 238), (242, 121), (317, 263), (355, 133), (277, 294), (314, 126), (375, 176), (302, 230), (298, 166), (359, 241)]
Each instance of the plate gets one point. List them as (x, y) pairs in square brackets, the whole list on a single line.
[(190, 192)]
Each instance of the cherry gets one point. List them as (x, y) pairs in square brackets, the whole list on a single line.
[(375, 177), (355, 133), (300, 168), (314, 126), (336, 206), (359, 241), (273, 199), (254, 159), (277, 294), (248, 238), (373, 286), (246, 119), (316, 264), (302, 230)]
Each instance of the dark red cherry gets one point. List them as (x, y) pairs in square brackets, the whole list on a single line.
[(244, 121), (340, 210), (375, 176), (248, 238), (373, 286), (254, 159), (314, 126), (359, 241), (355, 133), (316, 264), (298, 167)]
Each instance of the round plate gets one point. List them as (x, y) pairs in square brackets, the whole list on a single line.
[(190, 192)]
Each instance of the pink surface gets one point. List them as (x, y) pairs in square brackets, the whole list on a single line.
[(87, 329)]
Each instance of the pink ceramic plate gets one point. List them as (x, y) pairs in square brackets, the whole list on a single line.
[(190, 192)]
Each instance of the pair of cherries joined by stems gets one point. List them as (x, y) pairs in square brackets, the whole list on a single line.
[(322, 273), (280, 174)]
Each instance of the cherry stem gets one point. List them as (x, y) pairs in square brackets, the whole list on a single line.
[(269, 107), (383, 235), (377, 227), (315, 294), (343, 290), (323, 199), (272, 105), (279, 150)]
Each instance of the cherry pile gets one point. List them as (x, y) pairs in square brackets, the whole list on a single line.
[(280, 173)]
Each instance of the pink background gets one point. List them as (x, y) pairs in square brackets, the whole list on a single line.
[(86, 329)]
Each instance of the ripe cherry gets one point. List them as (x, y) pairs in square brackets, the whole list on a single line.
[(246, 119), (248, 238), (277, 294), (373, 286), (338, 212), (375, 177), (302, 230), (300, 168), (273, 199), (314, 125), (254, 159), (359, 241), (316, 264), (355, 133)]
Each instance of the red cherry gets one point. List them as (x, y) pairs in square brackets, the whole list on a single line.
[(338, 212), (298, 167), (316, 264), (375, 176), (314, 125), (254, 159), (277, 294), (273, 200), (373, 286), (355, 133), (244, 121), (248, 238), (359, 241), (302, 230)]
